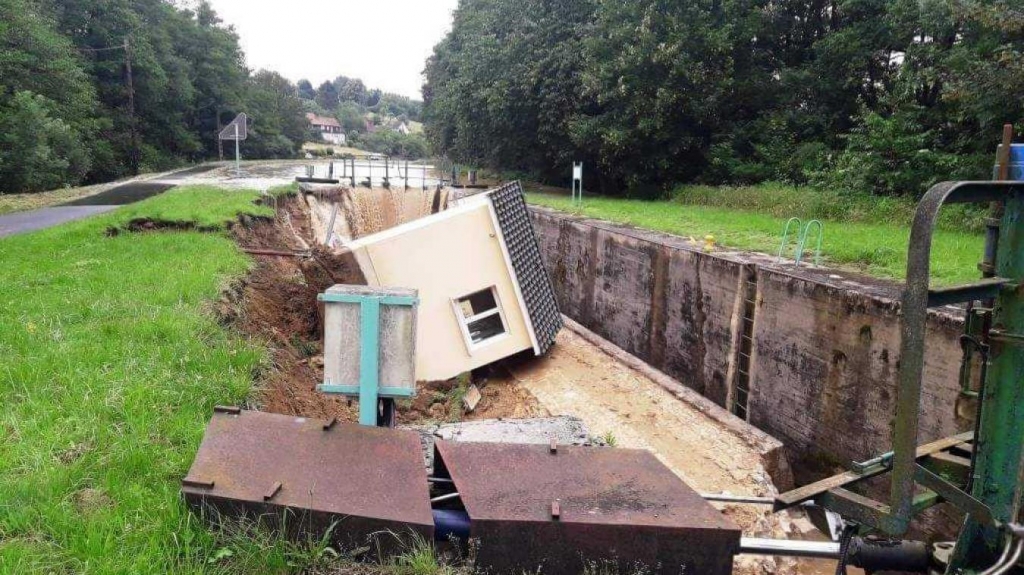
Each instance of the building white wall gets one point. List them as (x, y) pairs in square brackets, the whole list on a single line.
[(447, 256), (338, 139)]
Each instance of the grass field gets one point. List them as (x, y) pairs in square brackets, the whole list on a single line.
[(871, 243), (111, 367)]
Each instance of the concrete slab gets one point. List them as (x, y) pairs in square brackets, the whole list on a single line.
[(22, 222), (565, 430)]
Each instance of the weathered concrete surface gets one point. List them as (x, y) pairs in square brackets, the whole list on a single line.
[(826, 367), (566, 430), (826, 345)]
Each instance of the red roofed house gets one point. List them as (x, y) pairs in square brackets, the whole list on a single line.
[(329, 128)]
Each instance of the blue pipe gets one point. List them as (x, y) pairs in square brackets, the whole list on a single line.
[(449, 523)]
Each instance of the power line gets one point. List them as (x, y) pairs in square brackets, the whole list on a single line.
[(104, 49), (133, 135)]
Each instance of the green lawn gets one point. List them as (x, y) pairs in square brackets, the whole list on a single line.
[(204, 206), (110, 370), (111, 367), (875, 248)]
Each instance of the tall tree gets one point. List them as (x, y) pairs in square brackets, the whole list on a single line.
[(279, 126), (306, 90), (48, 109), (327, 96)]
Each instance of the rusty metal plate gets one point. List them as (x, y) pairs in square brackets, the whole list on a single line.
[(307, 475), (563, 508)]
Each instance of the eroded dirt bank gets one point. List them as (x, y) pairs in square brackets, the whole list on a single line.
[(277, 303)]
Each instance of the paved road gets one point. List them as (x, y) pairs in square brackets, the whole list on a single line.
[(21, 222)]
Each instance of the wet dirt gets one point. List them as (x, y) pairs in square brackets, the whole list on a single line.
[(277, 303), (630, 410)]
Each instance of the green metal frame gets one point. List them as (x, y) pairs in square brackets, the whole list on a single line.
[(785, 235), (369, 389), (997, 463), (801, 233), (802, 244), (987, 487)]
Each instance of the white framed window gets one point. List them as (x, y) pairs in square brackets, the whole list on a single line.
[(480, 318)]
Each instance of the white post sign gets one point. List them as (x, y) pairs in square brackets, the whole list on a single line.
[(237, 130), (577, 182)]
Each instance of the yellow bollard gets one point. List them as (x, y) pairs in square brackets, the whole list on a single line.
[(709, 242)]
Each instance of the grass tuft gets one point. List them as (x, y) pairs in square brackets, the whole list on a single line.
[(203, 207)]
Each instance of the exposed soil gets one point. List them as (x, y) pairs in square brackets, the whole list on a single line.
[(277, 303), (366, 211), (139, 225)]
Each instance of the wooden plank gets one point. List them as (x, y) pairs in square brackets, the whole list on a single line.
[(1004, 152), (812, 490)]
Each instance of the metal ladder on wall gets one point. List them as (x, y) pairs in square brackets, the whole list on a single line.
[(741, 389), (801, 235)]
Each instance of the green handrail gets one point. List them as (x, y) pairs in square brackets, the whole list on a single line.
[(803, 242), (785, 235)]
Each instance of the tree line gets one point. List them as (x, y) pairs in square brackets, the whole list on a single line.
[(93, 90), (881, 96), (357, 108)]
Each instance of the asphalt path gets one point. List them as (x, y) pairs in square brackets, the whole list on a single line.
[(21, 222), (105, 201)]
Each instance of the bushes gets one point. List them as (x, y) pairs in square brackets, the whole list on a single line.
[(896, 155), (277, 146), (38, 151), (412, 146)]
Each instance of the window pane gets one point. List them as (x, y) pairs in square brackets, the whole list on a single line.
[(486, 328), (477, 303)]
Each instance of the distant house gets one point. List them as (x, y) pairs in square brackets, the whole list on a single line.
[(370, 126), (329, 128), (399, 126)]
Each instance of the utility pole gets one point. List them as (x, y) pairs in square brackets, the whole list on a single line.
[(133, 153), (220, 142)]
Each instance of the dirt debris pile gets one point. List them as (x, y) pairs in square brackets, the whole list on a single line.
[(277, 302)]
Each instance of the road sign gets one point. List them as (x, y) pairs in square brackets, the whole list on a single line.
[(237, 130)]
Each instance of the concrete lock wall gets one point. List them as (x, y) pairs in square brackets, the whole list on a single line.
[(824, 352)]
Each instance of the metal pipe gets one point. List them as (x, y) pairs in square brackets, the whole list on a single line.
[(738, 499), (1002, 557), (783, 547), (445, 497), (1013, 559), (1006, 561)]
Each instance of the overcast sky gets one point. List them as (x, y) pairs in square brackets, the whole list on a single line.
[(383, 42)]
